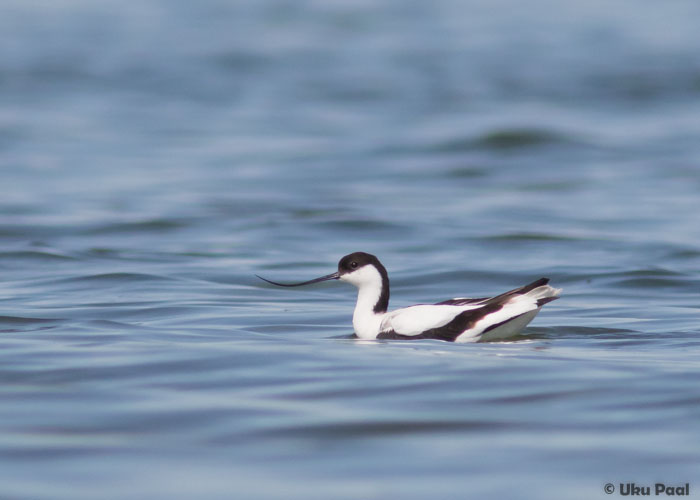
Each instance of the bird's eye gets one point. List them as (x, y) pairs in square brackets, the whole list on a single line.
[(353, 264)]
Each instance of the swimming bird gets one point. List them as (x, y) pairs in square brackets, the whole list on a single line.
[(454, 320)]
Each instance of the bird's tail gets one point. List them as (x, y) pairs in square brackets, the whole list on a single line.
[(543, 293)]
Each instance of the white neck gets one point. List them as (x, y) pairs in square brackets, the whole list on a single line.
[(364, 320), (369, 283)]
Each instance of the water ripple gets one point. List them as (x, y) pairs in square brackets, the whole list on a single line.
[(117, 277), (147, 226), (35, 255), (503, 139)]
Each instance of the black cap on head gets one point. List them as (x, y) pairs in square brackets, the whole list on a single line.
[(354, 261)]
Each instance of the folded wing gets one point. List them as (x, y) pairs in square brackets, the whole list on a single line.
[(467, 320)]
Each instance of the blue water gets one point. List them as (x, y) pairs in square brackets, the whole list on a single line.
[(155, 155)]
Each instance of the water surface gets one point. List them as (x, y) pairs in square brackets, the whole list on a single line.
[(155, 156)]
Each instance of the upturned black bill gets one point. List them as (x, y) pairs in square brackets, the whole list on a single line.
[(333, 276)]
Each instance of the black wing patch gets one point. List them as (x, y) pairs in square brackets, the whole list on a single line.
[(461, 302), (449, 332), (545, 300)]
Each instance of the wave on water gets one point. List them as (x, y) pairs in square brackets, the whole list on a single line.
[(34, 255), (503, 139), (148, 226), (14, 324), (118, 277)]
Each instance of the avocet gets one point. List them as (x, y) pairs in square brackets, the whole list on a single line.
[(453, 320)]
